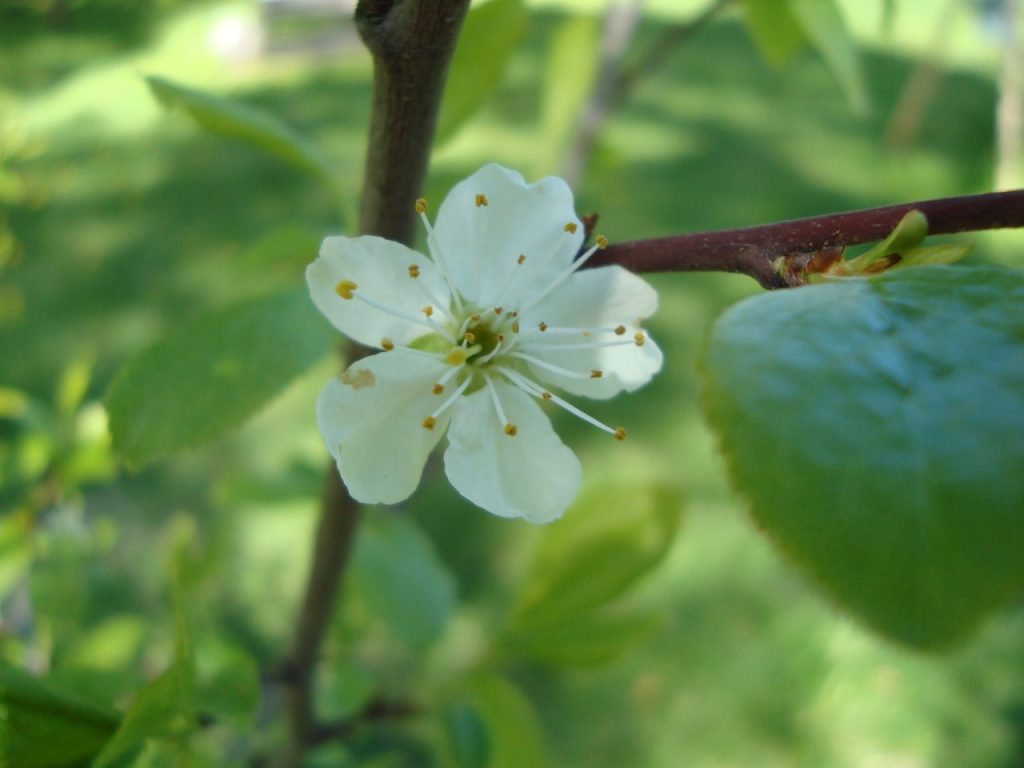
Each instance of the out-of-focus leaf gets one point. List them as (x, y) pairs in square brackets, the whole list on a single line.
[(781, 28), (227, 684), (343, 689), (776, 31), (207, 377), (612, 535), (514, 732), (165, 708), (44, 727), (569, 74), (467, 735), (489, 35), (877, 427), (235, 120), (591, 638), (822, 21), (399, 576)]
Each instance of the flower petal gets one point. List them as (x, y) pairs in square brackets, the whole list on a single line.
[(596, 298), (481, 243), (531, 475), (371, 419), (380, 270)]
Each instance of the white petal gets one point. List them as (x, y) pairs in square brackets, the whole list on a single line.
[(380, 269), (481, 244), (371, 419), (531, 475), (597, 298)]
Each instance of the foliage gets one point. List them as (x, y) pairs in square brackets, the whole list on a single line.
[(612, 639)]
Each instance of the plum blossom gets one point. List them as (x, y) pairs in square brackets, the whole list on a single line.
[(472, 340)]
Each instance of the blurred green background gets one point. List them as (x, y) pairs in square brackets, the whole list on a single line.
[(120, 221)]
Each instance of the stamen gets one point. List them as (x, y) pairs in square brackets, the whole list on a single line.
[(638, 339), (560, 279), (429, 422), (574, 331), (437, 389), (481, 200), (521, 259), (491, 355), (421, 205), (469, 337), (509, 428), (596, 374), (438, 255), (515, 327), (387, 344), (345, 289), (586, 344), (619, 330), (497, 310), (414, 271), (542, 326), (452, 397), (428, 310), (551, 367), (570, 227), (602, 241), (533, 389)]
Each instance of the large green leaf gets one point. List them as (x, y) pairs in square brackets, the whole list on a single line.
[(489, 35), (235, 120), (45, 727), (612, 535), (399, 577), (877, 427), (209, 375), (581, 639)]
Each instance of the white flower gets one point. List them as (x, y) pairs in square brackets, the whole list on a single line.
[(468, 336)]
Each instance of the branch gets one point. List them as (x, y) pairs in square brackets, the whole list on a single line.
[(412, 44), (754, 250)]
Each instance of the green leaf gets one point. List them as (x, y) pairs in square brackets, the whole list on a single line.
[(569, 73), (399, 576), (781, 28), (587, 639), (208, 376), (235, 120), (165, 708), (515, 736), (467, 735), (776, 31), (490, 34), (877, 427), (612, 535), (822, 21), (44, 727)]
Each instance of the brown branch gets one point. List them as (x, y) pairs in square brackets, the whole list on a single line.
[(753, 250), (412, 44)]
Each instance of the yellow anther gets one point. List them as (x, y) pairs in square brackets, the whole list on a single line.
[(481, 200), (620, 330), (414, 270), (515, 327), (521, 259), (429, 422), (456, 357), (469, 336), (638, 339), (344, 288), (421, 204), (428, 310), (619, 433), (570, 227), (387, 344), (511, 430), (545, 395), (596, 374), (542, 326), (501, 337), (602, 241), (498, 310), (438, 389)]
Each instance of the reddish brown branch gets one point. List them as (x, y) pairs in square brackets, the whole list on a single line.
[(753, 250)]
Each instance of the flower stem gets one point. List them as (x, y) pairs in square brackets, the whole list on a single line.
[(412, 44), (754, 250)]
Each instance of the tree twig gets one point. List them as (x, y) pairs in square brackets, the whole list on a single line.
[(754, 250), (412, 44)]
